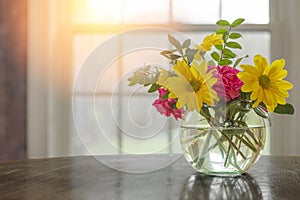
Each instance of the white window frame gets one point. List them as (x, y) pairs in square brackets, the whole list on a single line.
[(49, 104)]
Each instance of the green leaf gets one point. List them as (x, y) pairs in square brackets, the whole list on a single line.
[(284, 109), (237, 22), (234, 45), (227, 56), (221, 31), (186, 43), (172, 56), (215, 56), (234, 35), (190, 53), (219, 46), (225, 62), (168, 52), (224, 37), (153, 87), (228, 53), (239, 60), (175, 43), (222, 22)]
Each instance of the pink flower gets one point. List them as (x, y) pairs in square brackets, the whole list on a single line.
[(167, 106), (228, 85), (162, 92)]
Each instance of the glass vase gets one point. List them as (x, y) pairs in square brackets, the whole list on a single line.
[(222, 145)]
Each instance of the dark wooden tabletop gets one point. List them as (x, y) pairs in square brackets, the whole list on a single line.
[(87, 178)]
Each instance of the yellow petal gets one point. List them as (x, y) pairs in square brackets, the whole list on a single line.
[(276, 67), (254, 94), (247, 87), (246, 77), (270, 108), (172, 95), (278, 75), (250, 69), (256, 103), (281, 100), (261, 63), (283, 85), (182, 69), (192, 102), (178, 104), (255, 85), (279, 92), (271, 97), (199, 102)]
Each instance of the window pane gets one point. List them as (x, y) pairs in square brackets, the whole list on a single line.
[(196, 37), (254, 11), (100, 122), (96, 11), (95, 129), (258, 42), (143, 49), (83, 45), (144, 129), (145, 11), (196, 11), (89, 73)]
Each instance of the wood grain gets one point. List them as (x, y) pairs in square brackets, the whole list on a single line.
[(87, 178)]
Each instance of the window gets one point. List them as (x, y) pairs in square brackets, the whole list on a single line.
[(113, 118)]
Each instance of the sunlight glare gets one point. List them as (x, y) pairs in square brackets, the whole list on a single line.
[(104, 11), (97, 11)]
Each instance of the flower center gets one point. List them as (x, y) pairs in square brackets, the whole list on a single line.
[(195, 85), (264, 81)]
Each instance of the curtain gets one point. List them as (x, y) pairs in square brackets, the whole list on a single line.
[(13, 33)]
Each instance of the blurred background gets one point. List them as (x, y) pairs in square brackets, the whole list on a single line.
[(63, 70)]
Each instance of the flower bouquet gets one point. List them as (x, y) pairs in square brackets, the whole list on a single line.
[(223, 105)]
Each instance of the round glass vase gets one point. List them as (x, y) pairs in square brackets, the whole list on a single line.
[(222, 148)]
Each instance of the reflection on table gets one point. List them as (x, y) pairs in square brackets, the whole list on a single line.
[(89, 178)]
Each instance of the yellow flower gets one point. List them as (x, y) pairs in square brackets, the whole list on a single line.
[(265, 82), (192, 85), (211, 40), (207, 43)]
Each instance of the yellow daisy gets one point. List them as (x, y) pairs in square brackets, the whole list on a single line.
[(265, 82), (211, 40), (192, 85), (207, 43)]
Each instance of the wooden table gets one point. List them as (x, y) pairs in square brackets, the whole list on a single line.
[(86, 178)]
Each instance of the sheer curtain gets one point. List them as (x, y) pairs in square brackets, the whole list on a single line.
[(285, 134)]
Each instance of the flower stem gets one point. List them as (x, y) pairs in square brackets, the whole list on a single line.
[(232, 144), (240, 143), (225, 41), (228, 151)]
